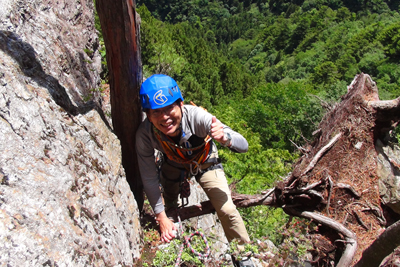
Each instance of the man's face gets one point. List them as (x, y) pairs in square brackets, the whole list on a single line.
[(167, 119)]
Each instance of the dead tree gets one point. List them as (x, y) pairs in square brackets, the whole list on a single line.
[(335, 183), (120, 27)]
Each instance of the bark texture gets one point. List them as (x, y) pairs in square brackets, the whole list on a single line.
[(120, 26), (385, 244)]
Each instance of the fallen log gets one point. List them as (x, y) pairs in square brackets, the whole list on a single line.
[(240, 200)]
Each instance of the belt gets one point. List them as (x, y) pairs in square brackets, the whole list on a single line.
[(210, 162)]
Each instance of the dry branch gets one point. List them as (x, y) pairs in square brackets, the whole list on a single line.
[(351, 243), (321, 152), (385, 105), (329, 194), (360, 221), (348, 187)]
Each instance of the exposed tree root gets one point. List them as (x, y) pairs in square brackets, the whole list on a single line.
[(350, 238), (386, 105), (349, 187), (360, 221)]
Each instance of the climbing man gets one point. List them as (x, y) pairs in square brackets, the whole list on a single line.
[(185, 134)]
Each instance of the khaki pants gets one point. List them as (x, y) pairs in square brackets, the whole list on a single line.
[(216, 187)]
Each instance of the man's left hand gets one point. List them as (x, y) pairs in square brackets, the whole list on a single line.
[(217, 131)]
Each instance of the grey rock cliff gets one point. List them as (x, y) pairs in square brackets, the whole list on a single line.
[(64, 199), (388, 171)]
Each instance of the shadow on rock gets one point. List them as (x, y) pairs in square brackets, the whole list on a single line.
[(25, 55)]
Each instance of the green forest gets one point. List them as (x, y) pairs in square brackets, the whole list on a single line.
[(269, 69)]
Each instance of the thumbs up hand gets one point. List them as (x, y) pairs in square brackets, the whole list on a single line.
[(217, 131)]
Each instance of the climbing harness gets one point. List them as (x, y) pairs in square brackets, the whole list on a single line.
[(187, 243), (177, 153)]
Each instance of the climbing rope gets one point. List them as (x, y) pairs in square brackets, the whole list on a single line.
[(187, 243)]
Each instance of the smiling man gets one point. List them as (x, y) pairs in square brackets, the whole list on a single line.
[(184, 134)]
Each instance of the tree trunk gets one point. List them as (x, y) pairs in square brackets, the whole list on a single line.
[(385, 244), (120, 28)]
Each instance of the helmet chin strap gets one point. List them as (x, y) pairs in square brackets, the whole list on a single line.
[(180, 124), (180, 128)]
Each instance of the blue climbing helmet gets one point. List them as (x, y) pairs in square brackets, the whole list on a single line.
[(159, 91)]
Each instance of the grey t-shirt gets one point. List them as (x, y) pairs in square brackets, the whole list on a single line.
[(196, 125)]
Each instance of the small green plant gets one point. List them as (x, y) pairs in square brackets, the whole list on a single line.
[(239, 251), (93, 92), (150, 236), (295, 242), (168, 255), (395, 134)]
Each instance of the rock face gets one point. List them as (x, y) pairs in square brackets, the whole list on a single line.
[(64, 199), (389, 173)]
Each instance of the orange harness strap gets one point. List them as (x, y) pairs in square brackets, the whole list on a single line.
[(177, 153)]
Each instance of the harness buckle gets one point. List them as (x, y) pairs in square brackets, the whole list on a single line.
[(197, 170)]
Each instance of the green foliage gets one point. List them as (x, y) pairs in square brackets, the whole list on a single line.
[(281, 112), (325, 73), (262, 221), (226, 46), (168, 254), (395, 134), (294, 241), (161, 54), (390, 39)]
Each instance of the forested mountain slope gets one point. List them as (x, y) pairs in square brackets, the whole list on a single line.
[(270, 69), (222, 50)]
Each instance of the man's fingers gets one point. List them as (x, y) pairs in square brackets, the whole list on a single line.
[(165, 238), (216, 127), (215, 123), (168, 236)]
